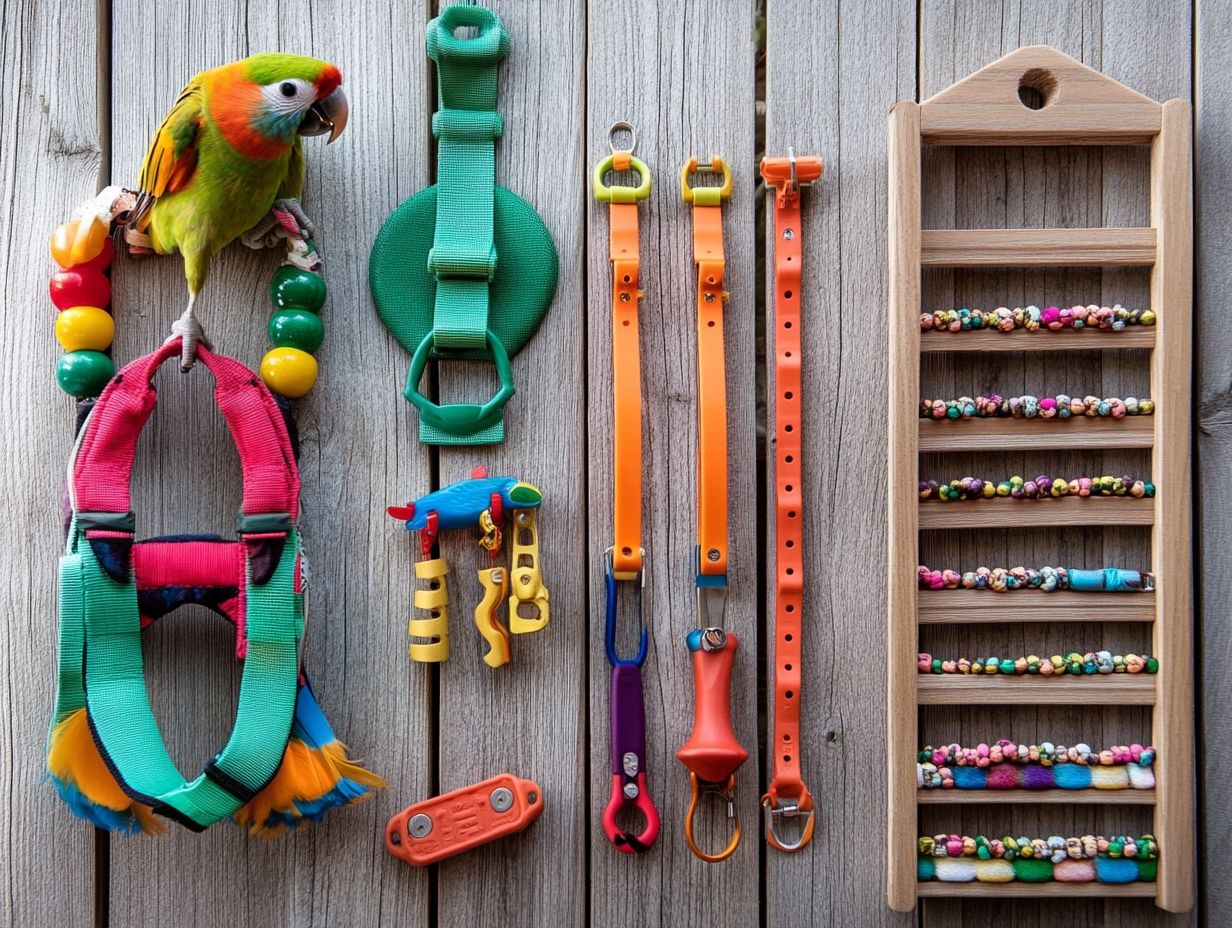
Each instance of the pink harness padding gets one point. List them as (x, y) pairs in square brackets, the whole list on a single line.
[(159, 564), (103, 468)]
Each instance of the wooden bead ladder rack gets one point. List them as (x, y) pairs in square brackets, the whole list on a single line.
[(1080, 107)]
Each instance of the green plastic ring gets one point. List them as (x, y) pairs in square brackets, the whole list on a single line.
[(461, 419), (620, 194)]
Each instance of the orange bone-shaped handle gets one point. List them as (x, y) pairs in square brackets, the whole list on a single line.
[(712, 751)]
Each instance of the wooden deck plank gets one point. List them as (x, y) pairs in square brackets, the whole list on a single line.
[(827, 95), (1213, 358), (50, 162), (675, 73), (1149, 50), (358, 452), (525, 718), (1035, 434)]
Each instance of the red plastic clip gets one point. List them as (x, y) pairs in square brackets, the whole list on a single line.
[(446, 825)]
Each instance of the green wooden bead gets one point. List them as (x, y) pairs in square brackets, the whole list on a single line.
[(292, 286), (1152, 665), (84, 373), (296, 327)]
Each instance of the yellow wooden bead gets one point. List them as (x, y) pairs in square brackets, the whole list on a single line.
[(288, 371), (84, 328)]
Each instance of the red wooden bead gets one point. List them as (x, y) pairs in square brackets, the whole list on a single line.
[(80, 286)]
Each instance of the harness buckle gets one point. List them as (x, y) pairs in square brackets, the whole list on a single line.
[(724, 791), (705, 196), (776, 810)]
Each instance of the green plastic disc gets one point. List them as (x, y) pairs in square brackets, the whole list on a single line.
[(521, 292)]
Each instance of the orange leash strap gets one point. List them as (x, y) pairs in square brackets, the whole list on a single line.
[(787, 796), (712, 752), (625, 561)]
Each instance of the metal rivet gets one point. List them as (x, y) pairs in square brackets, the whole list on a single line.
[(714, 554), (420, 826), (624, 298), (629, 764), (709, 297), (788, 234), (501, 799), (631, 790), (498, 576)]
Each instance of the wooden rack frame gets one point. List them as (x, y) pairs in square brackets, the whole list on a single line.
[(1081, 107)]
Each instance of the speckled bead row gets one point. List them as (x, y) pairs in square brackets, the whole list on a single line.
[(1087, 859), (1075, 664), (1047, 579), (1046, 753), (1061, 406), (1034, 319), (998, 579), (1042, 487), (1006, 765)]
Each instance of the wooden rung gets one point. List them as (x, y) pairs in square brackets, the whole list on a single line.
[(1014, 124), (1059, 797), (977, 890), (1035, 434), (988, 689), (976, 607), (1135, 336), (1037, 247), (1042, 513)]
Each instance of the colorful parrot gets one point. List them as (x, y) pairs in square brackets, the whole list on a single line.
[(226, 154)]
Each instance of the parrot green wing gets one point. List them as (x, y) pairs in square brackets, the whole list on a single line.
[(172, 156), (293, 183)]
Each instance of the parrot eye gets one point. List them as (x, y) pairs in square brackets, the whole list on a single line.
[(288, 89)]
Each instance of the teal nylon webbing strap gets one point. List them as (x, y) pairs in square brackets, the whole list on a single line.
[(463, 256), (70, 693), (120, 711)]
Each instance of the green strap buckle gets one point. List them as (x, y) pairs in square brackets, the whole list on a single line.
[(461, 423)]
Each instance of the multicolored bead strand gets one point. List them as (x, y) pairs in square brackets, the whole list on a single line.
[(1075, 664), (298, 292), (1086, 859), (1042, 487), (1007, 765), (1034, 319), (1047, 579), (81, 291), (1061, 406)]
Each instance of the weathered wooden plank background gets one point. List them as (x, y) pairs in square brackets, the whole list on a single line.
[(82, 88)]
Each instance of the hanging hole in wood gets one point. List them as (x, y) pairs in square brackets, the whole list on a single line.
[(1037, 88)]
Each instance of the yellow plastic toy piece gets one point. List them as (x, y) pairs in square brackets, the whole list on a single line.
[(495, 583), (492, 536), (529, 590), (84, 328), (434, 601), (79, 240), (289, 372)]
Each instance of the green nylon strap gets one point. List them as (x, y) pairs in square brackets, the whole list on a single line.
[(107, 629), (463, 256)]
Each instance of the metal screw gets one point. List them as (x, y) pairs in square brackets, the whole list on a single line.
[(714, 639), (420, 826), (624, 298), (709, 297), (498, 576), (629, 764), (788, 234), (501, 799), (714, 554), (631, 790)]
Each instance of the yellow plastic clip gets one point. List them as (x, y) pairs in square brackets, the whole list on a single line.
[(529, 591), (724, 792), (495, 583), (705, 196), (435, 601)]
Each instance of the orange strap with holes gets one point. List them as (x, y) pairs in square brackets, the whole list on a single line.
[(787, 797), (627, 555)]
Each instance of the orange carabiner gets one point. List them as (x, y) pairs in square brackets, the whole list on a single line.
[(725, 791)]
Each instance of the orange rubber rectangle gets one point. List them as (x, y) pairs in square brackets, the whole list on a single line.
[(463, 819)]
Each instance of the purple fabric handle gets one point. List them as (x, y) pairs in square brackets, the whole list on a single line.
[(628, 719)]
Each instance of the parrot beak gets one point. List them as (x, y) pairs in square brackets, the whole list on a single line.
[(328, 115)]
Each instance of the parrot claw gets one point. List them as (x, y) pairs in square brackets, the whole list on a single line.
[(306, 228), (286, 221), (189, 328)]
